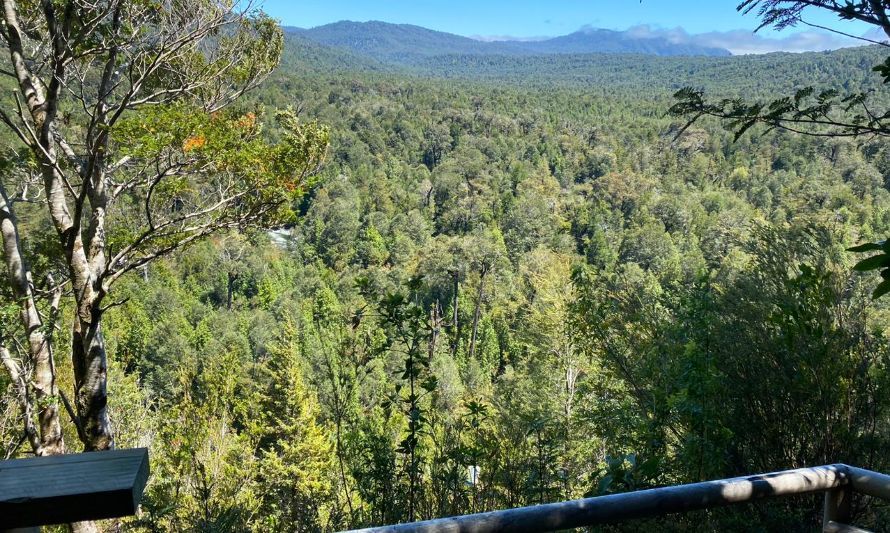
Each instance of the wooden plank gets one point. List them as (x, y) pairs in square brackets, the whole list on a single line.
[(71, 488), (640, 504)]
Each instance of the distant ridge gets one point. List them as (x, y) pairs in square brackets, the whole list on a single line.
[(399, 43), (408, 44), (600, 41), (512, 63)]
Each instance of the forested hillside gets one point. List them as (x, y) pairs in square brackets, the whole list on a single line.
[(513, 281), (406, 44), (499, 296), (644, 73)]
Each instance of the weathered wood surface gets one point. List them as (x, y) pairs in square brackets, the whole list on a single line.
[(870, 483), (640, 504), (836, 508), (70, 488)]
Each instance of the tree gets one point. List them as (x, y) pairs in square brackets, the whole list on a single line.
[(827, 113), (487, 255), (408, 335), (551, 340), (125, 113), (207, 474), (233, 248), (298, 467)]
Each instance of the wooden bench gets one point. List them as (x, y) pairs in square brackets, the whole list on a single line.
[(61, 489)]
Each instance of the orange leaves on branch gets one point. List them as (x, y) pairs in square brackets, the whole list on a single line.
[(247, 121), (194, 142), (227, 146)]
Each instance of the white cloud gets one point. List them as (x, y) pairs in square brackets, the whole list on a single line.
[(739, 42), (746, 42), (876, 34), (500, 38)]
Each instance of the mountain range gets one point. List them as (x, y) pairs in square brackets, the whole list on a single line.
[(405, 44), (599, 60)]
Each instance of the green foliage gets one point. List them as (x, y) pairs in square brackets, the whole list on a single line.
[(648, 309), (225, 143), (406, 329), (880, 262), (626, 473), (298, 464), (827, 113)]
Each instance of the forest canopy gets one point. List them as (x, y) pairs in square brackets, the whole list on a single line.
[(340, 293)]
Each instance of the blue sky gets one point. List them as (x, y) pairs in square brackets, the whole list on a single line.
[(533, 18), (703, 22)]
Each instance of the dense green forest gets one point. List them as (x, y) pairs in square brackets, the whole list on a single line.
[(408, 44), (513, 281), (500, 296), (646, 75)]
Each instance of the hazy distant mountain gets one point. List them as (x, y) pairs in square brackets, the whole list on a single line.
[(399, 42), (417, 52), (404, 43), (619, 42)]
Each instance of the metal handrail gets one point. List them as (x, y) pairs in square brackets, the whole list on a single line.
[(836, 481)]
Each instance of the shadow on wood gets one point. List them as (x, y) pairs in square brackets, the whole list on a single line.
[(71, 488), (838, 480)]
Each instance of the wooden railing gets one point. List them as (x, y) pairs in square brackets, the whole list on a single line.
[(838, 482)]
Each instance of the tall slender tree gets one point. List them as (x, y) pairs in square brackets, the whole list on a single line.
[(125, 112)]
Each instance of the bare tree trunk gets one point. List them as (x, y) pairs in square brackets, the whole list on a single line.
[(43, 380), (455, 327), (478, 311), (230, 290), (90, 363), (87, 344), (83, 527), (435, 324), (23, 398), (571, 378)]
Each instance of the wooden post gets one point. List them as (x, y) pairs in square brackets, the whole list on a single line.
[(837, 507)]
